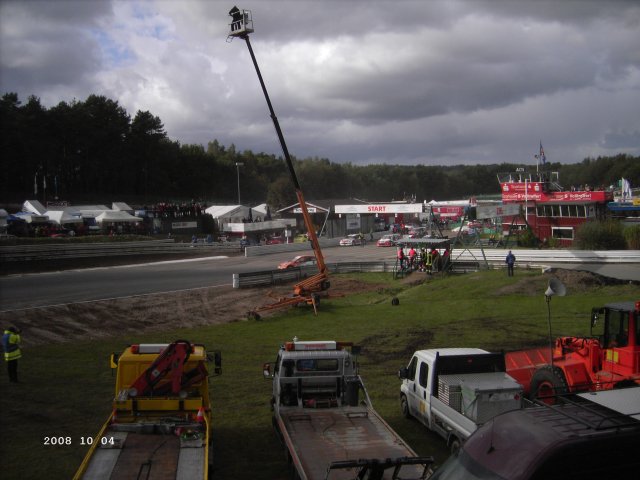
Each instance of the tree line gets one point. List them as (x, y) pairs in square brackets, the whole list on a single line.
[(93, 150)]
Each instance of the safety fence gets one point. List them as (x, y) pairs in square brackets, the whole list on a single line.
[(548, 256), (463, 261), (276, 277), (20, 253)]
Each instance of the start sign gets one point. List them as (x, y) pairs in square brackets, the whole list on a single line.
[(389, 208), (377, 208)]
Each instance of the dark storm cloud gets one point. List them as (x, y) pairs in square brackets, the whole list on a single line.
[(47, 44), (402, 81)]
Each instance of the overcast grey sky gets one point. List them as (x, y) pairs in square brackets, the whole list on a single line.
[(399, 82)]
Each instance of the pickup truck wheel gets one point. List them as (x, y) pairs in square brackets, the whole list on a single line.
[(546, 382), (404, 406), (454, 446)]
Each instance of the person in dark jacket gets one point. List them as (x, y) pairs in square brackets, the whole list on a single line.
[(510, 261)]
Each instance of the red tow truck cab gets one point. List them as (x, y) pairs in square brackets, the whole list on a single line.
[(608, 358)]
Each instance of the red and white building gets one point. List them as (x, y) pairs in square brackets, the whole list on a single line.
[(550, 211)]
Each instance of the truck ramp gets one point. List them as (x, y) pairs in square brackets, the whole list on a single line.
[(152, 456), (320, 437)]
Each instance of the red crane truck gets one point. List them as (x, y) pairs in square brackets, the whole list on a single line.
[(608, 358)]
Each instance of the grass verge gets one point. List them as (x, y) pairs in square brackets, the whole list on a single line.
[(67, 388)]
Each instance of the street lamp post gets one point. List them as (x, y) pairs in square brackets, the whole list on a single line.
[(238, 165)]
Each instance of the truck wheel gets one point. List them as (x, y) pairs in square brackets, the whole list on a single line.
[(454, 446), (404, 406), (625, 384), (546, 382)]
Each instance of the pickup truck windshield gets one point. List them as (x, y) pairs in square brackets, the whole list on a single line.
[(463, 467)]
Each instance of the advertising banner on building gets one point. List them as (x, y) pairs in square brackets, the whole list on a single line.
[(353, 221), (495, 211), (381, 208)]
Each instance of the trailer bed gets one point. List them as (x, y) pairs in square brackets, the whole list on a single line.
[(319, 437), (153, 456)]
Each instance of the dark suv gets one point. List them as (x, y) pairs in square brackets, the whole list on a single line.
[(587, 436)]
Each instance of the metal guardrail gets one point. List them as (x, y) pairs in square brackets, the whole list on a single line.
[(463, 261), (276, 277), (16, 253), (256, 250), (554, 256)]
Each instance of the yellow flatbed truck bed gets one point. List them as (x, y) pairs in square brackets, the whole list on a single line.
[(157, 430)]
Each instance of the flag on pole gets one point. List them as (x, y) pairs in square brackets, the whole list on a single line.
[(625, 188), (543, 158), (35, 184)]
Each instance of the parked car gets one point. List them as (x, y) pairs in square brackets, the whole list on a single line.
[(275, 240), (351, 240), (248, 242), (299, 261), (417, 231), (389, 240)]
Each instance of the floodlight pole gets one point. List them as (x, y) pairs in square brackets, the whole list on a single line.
[(238, 165)]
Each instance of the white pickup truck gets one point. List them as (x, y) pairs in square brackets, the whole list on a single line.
[(453, 391)]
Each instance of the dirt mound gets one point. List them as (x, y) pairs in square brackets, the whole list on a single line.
[(158, 312), (211, 306), (573, 280)]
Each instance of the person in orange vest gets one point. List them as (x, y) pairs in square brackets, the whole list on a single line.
[(11, 346), (412, 258), (401, 258)]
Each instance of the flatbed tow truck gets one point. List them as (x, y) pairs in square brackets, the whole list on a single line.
[(160, 426), (323, 415)]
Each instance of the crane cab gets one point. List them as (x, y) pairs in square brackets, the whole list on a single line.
[(241, 22)]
